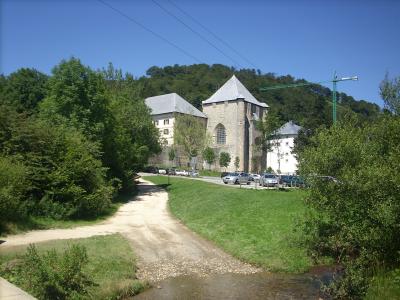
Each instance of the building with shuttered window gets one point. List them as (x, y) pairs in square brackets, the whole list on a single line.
[(229, 117)]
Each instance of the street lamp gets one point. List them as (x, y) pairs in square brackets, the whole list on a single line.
[(335, 80)]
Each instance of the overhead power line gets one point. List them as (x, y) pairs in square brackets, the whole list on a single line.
[(213, 34), (196, 33), (150, 31)]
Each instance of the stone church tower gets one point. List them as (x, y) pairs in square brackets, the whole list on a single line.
[(232, 112)]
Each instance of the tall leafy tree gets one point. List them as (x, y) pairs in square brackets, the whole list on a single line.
[(23, 89), (65, 176), (190, 134), (224, 159), (390, 93), (131, 137), (209, 156), (77, 97)]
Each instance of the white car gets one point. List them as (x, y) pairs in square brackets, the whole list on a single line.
[(269, 180), (194, 174), (255, 177), (162, 171), (182, 172), (236, 178)]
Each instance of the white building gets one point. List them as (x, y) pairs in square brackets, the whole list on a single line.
[(163, 111), (281, 158)]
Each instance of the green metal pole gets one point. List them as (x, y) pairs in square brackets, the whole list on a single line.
[(334, 98)]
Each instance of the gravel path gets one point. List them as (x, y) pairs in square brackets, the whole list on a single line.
[(165, 248)]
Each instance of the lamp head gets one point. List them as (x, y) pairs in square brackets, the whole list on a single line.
[(349, 78)]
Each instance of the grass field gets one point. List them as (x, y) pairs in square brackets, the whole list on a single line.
[(209, 173), (111, 264), (257, 226)]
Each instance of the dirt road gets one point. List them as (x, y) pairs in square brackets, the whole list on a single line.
[(165, 248)]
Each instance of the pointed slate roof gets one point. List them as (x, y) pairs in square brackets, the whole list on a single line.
[(233, 89), (289, 128), (169, 103)]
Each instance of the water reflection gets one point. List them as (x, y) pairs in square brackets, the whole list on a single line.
[(236, 286)]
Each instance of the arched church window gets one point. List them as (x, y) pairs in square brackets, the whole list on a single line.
[(220, 134)]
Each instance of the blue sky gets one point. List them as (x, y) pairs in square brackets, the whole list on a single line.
[(306, 39)]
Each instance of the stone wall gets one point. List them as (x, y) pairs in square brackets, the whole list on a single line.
[(234, 115), (230, 115)]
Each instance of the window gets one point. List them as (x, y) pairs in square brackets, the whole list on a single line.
[(166, 131), (166, 121), (156, 122), (287, 143), (220, 134)]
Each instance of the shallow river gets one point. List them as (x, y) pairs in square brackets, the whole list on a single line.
[(236, 286)]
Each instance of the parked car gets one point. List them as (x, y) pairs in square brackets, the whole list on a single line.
[(151, 169), (269, 180), (298, 181), (162, 171), (182, 172), (287, 180), (236, 178), (171, 171), (254, 177), (223, 174), (194, 173)]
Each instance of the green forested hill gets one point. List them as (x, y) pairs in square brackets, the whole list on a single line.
[(310, 106)]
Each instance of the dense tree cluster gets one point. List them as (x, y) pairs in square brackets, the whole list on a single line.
[(354, 214), (69, 141)]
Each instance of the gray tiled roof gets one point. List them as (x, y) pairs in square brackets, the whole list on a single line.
[(289, 128), (233, 89), (170, 103)]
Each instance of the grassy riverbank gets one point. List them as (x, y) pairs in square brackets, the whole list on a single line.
[(257, 226), (111, 264)]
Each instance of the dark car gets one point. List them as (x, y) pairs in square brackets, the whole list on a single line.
[(298, 181), (286, 180), (292, 180), (151, 169)]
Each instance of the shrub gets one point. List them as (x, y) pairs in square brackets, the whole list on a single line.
[(51, 276), (13, 186), (66, 176)]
